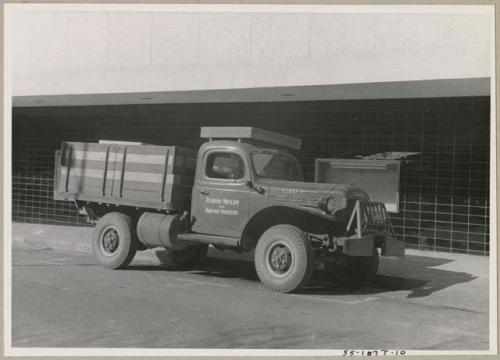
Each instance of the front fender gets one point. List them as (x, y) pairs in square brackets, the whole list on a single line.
[(315, 212), (306, 218)]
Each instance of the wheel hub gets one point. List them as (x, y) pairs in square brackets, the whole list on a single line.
[(280, 259), (110, 241)]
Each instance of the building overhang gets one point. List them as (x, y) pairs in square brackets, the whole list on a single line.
[(381, 90)]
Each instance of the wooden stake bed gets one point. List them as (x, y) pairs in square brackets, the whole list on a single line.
[(150, 176)]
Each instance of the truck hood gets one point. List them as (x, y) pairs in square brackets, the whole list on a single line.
[(308, 194)]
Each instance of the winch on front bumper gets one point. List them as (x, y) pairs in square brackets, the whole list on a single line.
[(369, 226)]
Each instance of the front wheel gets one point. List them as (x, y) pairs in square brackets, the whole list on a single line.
[(113, 243), (284, 258), (353, 271)]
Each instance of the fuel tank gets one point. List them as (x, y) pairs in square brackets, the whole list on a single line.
[(160, 230)]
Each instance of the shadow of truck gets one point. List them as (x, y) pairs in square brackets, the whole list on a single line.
[(419, 276)]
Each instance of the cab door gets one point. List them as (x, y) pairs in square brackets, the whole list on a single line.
[(222, 194)]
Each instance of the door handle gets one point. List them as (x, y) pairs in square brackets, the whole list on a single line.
[(257, 188), (204, 192)]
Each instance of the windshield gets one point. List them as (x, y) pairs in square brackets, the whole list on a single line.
[(276, 165)]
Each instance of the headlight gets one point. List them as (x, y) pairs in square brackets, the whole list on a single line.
[(327, 205)]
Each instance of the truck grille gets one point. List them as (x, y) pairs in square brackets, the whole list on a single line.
[(369, 216), (374, 214)]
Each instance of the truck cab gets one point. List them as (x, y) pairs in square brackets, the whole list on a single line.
[(247, 183)]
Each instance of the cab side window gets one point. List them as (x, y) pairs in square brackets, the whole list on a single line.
[(221, 165)]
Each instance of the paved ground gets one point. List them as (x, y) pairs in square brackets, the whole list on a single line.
[(61, 298)]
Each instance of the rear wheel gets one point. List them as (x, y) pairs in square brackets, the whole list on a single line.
[(113, 243), (182, 259), (284, 258), (353, 271)]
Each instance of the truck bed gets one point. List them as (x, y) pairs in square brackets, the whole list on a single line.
[(149, 176)]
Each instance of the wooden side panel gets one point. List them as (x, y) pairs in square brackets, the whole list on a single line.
[(125, 174)]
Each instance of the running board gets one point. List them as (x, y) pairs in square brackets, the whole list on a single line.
[(210, 239)]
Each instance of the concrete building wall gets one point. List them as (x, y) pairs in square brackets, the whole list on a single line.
[(64, 52), (444, 195)]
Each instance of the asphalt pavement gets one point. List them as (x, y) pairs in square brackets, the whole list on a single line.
[(61, 298)]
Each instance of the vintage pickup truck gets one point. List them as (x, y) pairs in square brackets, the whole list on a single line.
[(243, 191)]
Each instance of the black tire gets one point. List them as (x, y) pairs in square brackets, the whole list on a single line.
[(284, 258), (182, 259), (113, 243), (353, 271)]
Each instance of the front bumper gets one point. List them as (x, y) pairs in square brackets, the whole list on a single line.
[(369, 226), (365, 245)]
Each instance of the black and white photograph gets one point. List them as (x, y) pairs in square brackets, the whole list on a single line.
[(202, 179)]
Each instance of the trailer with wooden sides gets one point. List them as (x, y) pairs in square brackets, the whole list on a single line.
[(243, 190)]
